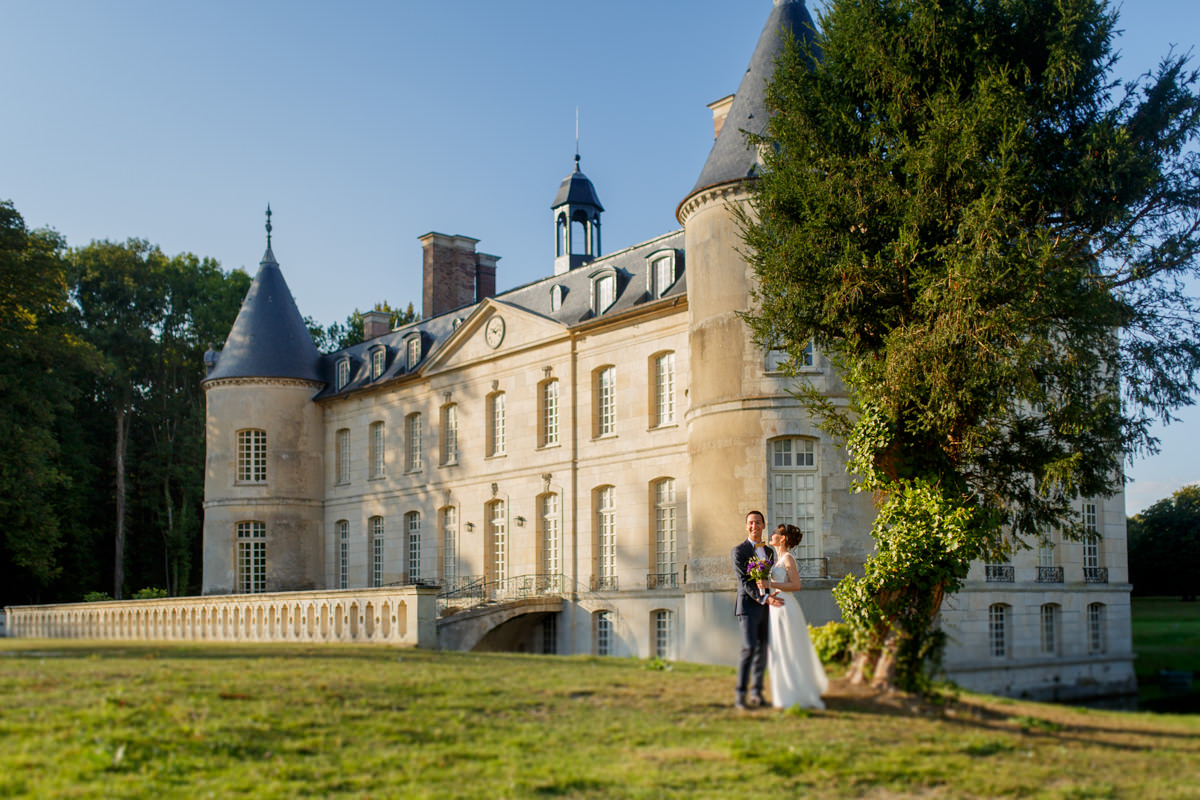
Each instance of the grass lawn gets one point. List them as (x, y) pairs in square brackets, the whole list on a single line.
[(85, 719), (1166, 635)]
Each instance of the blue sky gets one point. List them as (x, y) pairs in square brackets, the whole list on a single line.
[(368, 124)]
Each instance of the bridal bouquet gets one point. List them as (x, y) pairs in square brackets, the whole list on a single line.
[(759, 569)]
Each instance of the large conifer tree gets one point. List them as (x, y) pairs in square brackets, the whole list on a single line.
[(989, 237)]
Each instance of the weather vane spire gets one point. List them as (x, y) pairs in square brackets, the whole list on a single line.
[(268, 225)]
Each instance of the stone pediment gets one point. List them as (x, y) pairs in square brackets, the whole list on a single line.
[(493, 329)]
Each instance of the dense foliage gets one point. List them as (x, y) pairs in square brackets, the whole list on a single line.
[(1164, 546), (102, 422), (988, 239)]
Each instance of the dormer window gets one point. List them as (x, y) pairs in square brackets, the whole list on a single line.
[(378, 362), (661, 275), (413, 348), (604, 291), (343, 373), (557, 293)]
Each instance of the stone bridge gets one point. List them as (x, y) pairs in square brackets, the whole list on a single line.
[(507, 626)]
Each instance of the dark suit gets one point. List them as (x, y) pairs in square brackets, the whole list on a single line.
[(750, 607)]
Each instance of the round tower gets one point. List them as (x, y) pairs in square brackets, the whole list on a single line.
[(735, 406), (264, 445)]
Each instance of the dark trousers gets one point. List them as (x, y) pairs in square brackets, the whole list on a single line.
[(753, 663)]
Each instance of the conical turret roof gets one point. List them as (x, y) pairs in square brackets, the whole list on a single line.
[(269, 338), (730, 158)]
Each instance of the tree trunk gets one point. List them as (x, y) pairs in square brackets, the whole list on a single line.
[(119, 555), (170, 574)]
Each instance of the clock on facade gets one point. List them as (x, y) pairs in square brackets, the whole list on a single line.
[(494, 332)]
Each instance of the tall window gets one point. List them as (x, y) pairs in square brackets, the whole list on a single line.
[(498, 536), (252, 456), (1045, 552), (662, 275), (413, 520), (664, 531), (604, 633), (378, 359), (549, 522), (606, 401), (604, 292), (1091, 540), (376, 527), (549, 413), (664, 634), (1096, 628), (998, 630), (412, 461), (606, 537), (664, 390), (343, 373), (496, 424), (450, 434), (252, 557), (414, 352), (1049, 618), (343, 543), (557, 292), (342, 455), (449, 546), (794, 497), (378, 451)]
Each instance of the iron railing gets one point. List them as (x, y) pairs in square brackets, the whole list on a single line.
[(605, 583), (1050, 575), (1095, 574), (662, 580), (999, 573), (813, 567)]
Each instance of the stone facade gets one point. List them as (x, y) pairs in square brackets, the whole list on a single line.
[(597, 436)]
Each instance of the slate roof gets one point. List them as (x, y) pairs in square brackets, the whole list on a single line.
[(577, 190), (631, 267), (730, 159), (269, 338)]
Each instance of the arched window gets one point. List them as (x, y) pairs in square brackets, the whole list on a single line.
[(341, 455), (606, 538), (497, 423), (1050, 614), (413, 523), (664, 634), (604, 633), (605, 404), (343, 373), (794, 495), (378, 451), (450, 434), (998, 614), (665, 511), (375, 525), (548, 521), (497, 518), (1097, 628), (449, 547), (343, 557), (251, 557), (252, 456)]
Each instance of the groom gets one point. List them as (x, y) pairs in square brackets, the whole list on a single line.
[(750, 607)]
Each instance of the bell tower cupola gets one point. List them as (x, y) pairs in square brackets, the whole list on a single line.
[(576, 222)]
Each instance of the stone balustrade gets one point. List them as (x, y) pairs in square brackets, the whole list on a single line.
[(404, 615)]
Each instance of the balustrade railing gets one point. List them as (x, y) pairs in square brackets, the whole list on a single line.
[(405, 615)]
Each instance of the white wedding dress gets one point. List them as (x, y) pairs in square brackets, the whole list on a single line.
[(797, 677)]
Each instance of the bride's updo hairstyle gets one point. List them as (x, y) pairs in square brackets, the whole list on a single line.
[(791, 535)]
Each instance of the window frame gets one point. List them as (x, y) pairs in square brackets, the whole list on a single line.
[(605, 392), (251, 456), (251, 556), (413, 456), (548, 404), (377, 456), (662, 381), (449, 437), (341, 457), (375, 525), (497, 424), (412, 541), (802, 472)]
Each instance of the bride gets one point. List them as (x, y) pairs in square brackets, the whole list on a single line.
[(797, 677)]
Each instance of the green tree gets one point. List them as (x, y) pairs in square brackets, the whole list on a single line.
[(38, 354), (1164, 546), (987, 236)]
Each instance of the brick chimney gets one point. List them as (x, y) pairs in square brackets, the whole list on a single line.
[(454, 274), (376, 324)]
